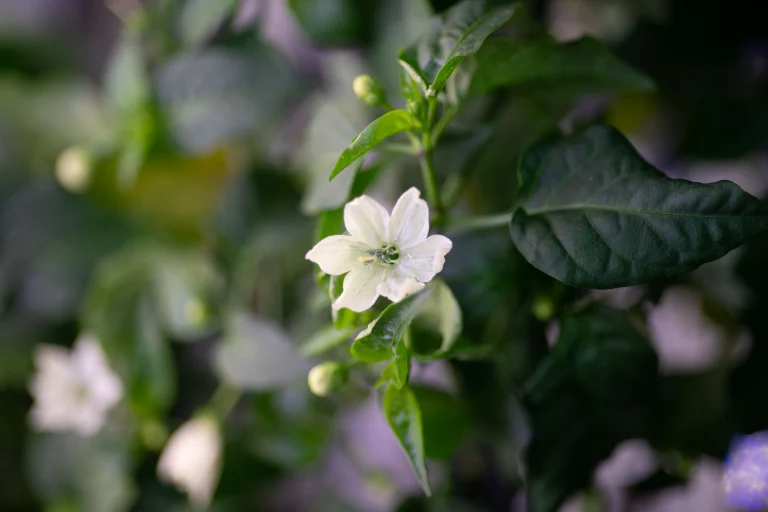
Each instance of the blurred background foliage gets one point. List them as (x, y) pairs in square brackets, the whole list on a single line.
[(161, 164)]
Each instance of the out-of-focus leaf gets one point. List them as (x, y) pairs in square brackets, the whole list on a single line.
[(576, 67), (93, 472), (325, 339), (185, 289), (455, 35), (50, 243), (378, 341), (446, 422), (120, 310), (171, 193), (290, 430), (127, 81), (402, 364), (219, 95), (389, 124), (256, 354), (600, 380), (329, 21), (199, 19), (129, 92), (594, 214), (404, 417)]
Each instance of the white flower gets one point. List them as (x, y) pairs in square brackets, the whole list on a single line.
[(382, 255), (191, 460), (73, 390)]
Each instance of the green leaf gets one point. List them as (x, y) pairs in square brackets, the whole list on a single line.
[(446, 422), (325, 339), (401, 364), (440, 315), (257, 354), (217, 95), (200, 19), (455, 35), (386, 126), (404, 417), (594, 214), (120, 309), (378, 341), (577, 67), (600, 380)]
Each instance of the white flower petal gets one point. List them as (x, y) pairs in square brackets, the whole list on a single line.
[(396, 288), (90, 362), (424, 260), (360, 288), (337, 254), (409, 223), (367, 221), (191, 460)]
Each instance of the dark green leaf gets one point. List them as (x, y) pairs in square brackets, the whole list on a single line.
[(404, 416), (594, 214), (200, 19), (577, 67), (386, 126), (455, 35), (402, 364), (600, 380), (446, 422), (377, 342)]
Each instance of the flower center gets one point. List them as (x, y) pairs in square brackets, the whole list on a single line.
[(384, 255)]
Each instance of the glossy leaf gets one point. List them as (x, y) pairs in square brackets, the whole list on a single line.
[(594, 214), (404, 417), (402, 364), (577, 67), (455, 35), (600, 380), (378, 341), (386, 126)]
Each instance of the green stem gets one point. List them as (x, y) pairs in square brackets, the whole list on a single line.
[(427, 166), (482, 222), (224, 401)]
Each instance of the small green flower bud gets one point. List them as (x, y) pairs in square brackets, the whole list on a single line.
[(368, 89), (74, 168), (543, 308), (326, 378)]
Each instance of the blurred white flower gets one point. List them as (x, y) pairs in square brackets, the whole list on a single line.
[(73, 169), (382, 255), (73, 390), (191, 460), (685, 338)]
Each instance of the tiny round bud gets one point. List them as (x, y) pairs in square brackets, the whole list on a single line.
[(368, 89), (543, 308), (73, 169), (326, 378)]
